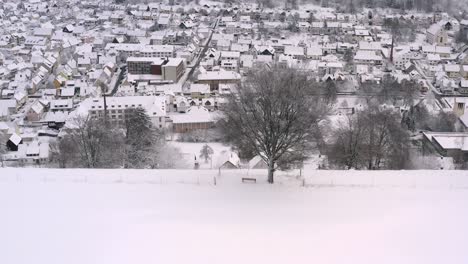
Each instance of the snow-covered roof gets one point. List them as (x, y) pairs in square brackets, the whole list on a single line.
[(367, 55), (434, 29), (219, 75), (449, 140), (6, 106), (15, 139), (452, 68), (195, 114)]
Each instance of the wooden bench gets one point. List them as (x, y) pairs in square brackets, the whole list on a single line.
[(253, 180)]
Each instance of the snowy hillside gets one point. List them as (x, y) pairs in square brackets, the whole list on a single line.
[(57, 216)]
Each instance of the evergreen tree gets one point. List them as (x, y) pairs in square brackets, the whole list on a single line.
[(206, 152), (140, 137)]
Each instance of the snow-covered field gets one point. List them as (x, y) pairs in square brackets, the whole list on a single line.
[(102, 216)]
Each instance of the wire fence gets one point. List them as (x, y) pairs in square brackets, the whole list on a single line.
[(308, 178)]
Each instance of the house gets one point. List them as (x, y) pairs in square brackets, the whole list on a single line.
[(433, 59), (317, 28), (4, 128), (168, 69), (119, 107), (199, 90), (215, 78), (54, 120), (257, 163), (361, 34), (303, 26), (464, 27), (180, 104), (62, 105), (229, 65), (294, 52), (264, 50), (437, 35), (35, 112), (464, 71), (447, 144), (459, 105), (367, 57), (230, 55), (452, 70), (13, 142), (20, 98), (195, 118), (33, 153), (228, 160), (7, 108), (329, 68), (463, 87)]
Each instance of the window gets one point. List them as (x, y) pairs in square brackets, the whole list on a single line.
[(460, 106)]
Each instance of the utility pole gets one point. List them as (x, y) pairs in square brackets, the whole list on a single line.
[(103, 91), (391, 51)]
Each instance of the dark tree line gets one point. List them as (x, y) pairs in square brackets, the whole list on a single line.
[(352, 6), (401, 30), (390, 91), (462, 36), (418, 117)]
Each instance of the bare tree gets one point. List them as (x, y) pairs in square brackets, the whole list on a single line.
[(99, 145), (347, 148), (94, 143), (275, 114), (371, 139), (329, 91), (444, 122), (65, 152)]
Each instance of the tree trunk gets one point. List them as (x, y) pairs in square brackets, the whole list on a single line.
[(271, 171)]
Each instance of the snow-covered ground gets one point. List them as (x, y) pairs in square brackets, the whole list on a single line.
[(118, 216), (191, 150)]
